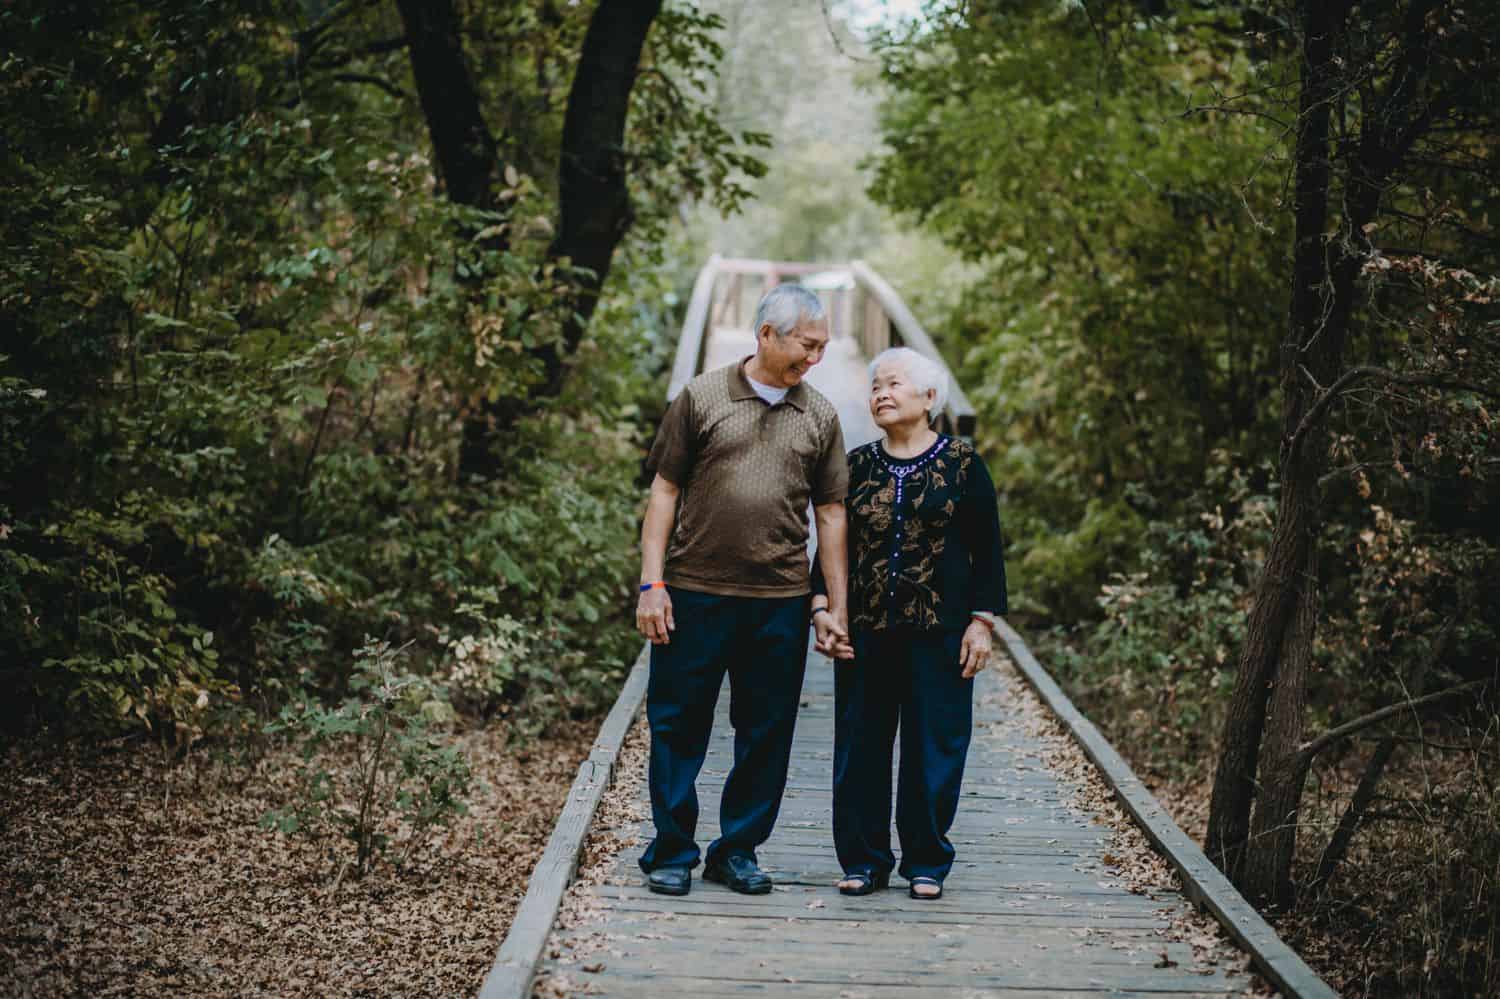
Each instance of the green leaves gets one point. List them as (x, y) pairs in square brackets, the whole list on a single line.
[(244, 327), (1125, 320), (403, 779)]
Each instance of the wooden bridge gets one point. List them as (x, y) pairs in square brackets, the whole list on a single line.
[(1041, 901)]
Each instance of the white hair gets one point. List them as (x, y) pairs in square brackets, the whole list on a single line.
[(787, 306), (925, 373)]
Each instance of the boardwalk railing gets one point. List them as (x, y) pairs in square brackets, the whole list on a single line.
[(859, 302)]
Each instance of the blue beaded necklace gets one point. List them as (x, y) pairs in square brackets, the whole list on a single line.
[(900, 469)]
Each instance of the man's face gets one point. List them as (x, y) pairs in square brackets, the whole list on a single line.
[(787, 358)]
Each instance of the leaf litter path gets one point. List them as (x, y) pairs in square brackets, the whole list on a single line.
[(1054, 892)]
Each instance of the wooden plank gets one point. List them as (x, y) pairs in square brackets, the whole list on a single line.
[(1043, 950), (942, 968), (702, 988), (852, 929), (1202, 881), (964, 895), (511, 974), (952, 910), (780, 981)]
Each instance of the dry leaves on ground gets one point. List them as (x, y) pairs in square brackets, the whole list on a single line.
[(125, 876)]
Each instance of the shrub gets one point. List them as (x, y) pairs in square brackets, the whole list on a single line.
[(402, 774), (1157, 669)]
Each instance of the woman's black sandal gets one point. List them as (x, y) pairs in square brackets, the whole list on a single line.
[(919, 880), (865, 883)]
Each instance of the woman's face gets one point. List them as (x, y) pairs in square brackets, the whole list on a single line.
[(895, 400)]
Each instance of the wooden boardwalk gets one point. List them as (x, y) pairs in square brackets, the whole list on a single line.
[(1047, 898), (1033, 906)]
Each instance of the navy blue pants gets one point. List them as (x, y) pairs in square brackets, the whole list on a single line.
[(762, 643), (912, 680)]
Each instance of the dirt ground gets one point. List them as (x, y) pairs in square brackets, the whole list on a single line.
[(122, 875)]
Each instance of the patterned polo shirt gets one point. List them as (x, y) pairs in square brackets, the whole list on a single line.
[(746, 471)]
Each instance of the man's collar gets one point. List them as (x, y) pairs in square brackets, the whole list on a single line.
[(740, 388)]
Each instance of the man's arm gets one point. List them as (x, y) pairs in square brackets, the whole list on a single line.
[(833, 563), (653, 612)]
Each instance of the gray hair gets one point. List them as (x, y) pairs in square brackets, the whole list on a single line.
[(925, 373), (787, 306)]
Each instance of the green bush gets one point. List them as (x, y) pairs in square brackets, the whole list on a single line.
[(404, 777), (1061, 570), (1155, 670), (243, 332)]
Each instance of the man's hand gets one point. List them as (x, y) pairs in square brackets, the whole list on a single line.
[(653, 616), (653, 611), (976, 648)]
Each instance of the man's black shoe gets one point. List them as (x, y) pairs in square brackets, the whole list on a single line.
[(673, 880), (739, 874)]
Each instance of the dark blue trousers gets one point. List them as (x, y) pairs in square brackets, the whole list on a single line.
[(910, 680), (762, 644)]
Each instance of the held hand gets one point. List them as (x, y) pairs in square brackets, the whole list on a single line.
[(653, 616), (825, 638), (832, 631), (845, 648), (976, 648)]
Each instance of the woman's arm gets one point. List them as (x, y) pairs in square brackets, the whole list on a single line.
[(982, 541)]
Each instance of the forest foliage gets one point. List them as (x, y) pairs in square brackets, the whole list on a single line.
[(275, 387), (245, 328), (1131, 178)]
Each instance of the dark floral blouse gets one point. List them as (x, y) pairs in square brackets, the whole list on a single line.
[(924, 538)]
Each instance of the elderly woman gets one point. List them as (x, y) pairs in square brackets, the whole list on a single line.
[(926, 578)]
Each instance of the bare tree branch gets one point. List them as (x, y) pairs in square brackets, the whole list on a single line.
[(1311, 749), (1327, 397)]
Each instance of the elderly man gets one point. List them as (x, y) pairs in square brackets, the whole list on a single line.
[(740, 454)]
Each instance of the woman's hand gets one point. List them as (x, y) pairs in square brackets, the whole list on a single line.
[(653, 616), (832, 631), (977, 647)]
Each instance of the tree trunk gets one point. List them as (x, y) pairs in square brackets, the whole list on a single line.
[(466, 154), (1354, 814), (1281, 583), (1324, 271), (596, 211), (1273, 841), (594, 200)]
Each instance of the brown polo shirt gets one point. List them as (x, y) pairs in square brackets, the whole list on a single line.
[(746, 471)]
